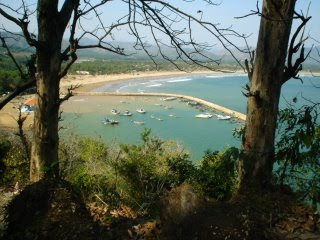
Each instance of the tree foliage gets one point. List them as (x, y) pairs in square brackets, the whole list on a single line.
[(297, 154)]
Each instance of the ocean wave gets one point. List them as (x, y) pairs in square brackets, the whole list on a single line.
[(179, 80), (226, 75), (155, 85), (122, 87)]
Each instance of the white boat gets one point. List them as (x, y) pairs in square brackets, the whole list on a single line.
[(172, 115), (127, 113), (152, 116), (204, 115), (168, 98), (137, 122), (193, 103), (223, 117), (141, 110), (159, 119), (114, 111), (109, 121)]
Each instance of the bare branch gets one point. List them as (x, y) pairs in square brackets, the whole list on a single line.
[(4, 45), (69, 93), (16, 92), (21, 119), (23, 24), (292, 70)]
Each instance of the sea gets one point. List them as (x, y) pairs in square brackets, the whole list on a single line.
[(174, 120)]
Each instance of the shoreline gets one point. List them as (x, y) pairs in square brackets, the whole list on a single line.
[(9, 114), (90, 82)]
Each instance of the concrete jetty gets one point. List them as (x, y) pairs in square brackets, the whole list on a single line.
[(214, 106)]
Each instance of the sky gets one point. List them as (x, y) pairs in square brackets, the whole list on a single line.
[(224, 14)]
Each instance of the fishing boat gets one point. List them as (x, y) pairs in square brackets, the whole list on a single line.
[(168, 99), (137, 122), (141, 110), (127, 113), (193, 104), (223, 117), (109, 121), (114, 111), (204, 115)]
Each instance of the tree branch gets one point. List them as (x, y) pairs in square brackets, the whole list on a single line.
[(16, 92), (292, 70), (69, 93), (23, 24)]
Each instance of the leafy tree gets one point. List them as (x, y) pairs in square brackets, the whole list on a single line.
[(297, 150)]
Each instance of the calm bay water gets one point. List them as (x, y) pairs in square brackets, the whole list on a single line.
[(82, 114)]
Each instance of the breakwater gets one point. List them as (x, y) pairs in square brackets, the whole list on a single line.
[(214, 106)]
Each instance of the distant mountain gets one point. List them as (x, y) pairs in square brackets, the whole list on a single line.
[(19, 44)]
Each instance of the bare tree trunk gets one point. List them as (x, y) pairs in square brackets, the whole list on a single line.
[(44, 153), (263, 99)]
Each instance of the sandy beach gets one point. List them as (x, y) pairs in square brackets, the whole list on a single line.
[(88, 82)]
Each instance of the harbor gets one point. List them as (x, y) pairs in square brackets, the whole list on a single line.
[(211, 105)]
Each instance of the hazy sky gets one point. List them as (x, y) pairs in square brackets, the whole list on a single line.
[(224, 14)]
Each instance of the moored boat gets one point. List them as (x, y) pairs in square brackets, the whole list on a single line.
[(109, 121), (204, 115), (141, 110), (138, 122), (223, 117), (114, 111), (168, 98), (193, 103), (127, 113)]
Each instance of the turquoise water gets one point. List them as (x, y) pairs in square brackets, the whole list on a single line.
[(82, 114)]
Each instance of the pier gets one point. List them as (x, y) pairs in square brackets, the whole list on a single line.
[(214, 106)]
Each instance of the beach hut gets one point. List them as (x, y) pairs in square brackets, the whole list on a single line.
[(28, 105)]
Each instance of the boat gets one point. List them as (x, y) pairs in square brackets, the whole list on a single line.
[(172, 115), (223, 117), (115, 111), (159, 119), (204, 115), (127, 113), (152, 116), (168, 99), (137, 122), (141, 110), (109, 121), (193, 104)]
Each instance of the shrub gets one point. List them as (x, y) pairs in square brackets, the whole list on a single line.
[(137, 175), (14, 165), (150, 169), (217, 174), (87, 164)]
